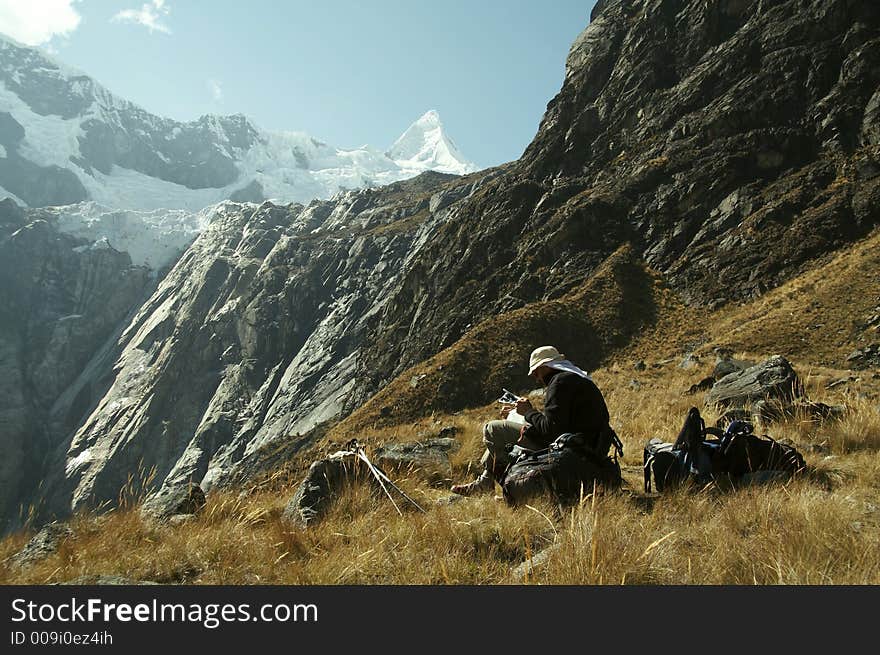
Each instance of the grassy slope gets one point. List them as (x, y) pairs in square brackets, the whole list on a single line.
[(821, 529)]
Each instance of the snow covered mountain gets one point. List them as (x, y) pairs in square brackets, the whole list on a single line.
[(425, 145), (65, 139)]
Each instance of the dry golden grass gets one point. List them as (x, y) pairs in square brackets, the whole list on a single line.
[(822, 529)]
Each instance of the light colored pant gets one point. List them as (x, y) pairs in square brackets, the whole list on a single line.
[(498, 435)]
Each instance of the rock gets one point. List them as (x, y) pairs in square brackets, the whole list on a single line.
[(703, 385), (528, 568), (106, 580), (430, 457), (867, 357), (640, 365), (448, 432), (181, 499), (773, 380), (62, 308), (727, 366), (824, 412), (44, 543), (635, 385), (690, 361), (325, 479), (769, 411), (181, 519)]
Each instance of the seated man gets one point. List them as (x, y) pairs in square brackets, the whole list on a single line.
[(572, 403)]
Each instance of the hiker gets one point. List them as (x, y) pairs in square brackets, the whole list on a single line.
[(572, 403)]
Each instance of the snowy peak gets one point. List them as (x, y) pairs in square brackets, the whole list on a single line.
[(66, 139), (425, 145)]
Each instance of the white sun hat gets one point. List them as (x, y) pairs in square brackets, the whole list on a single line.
[(544, 355)]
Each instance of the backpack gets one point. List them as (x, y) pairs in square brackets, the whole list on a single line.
[(735, 453), (564, 471), (742, 452)]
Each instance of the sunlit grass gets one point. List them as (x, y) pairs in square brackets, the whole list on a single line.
[(820, 529)]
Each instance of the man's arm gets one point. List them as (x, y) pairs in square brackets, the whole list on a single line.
[(547, 425)]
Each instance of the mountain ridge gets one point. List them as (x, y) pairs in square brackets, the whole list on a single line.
[(67, 139)]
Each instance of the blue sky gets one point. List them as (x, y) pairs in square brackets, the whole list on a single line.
[(346, 72)]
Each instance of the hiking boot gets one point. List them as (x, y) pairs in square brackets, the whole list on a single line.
[(483, 484)]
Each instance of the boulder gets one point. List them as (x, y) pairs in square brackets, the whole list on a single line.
[(325, 479), (773, 379), (42, 544), (725, 364), (703, 385), (181, 499), (429, 457), (529, 567)]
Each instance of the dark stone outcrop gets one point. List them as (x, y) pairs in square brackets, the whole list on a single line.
[(428, 458), (725, 364), (773, 379), (867, 357), (323, 483), (703, 385), (174, 500), (61, 302), (44, 543), (767, 392)]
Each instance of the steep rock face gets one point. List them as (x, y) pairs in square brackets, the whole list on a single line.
[(60, 301), (731, 141), (735, 136), (252, 336)]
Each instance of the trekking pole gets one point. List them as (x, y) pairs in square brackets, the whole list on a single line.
[(363, 457), (380, 476), (399, 490)]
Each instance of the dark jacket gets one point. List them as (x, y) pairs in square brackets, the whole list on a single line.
[(571, 404)]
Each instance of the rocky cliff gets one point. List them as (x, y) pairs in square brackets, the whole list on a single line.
[(61, 301), (726, 144)]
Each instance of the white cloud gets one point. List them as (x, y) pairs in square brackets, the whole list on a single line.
[(216, 89), (34, 22), (150, 15)]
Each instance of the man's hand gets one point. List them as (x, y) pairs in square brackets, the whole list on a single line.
[(505, 410), (523, 405)]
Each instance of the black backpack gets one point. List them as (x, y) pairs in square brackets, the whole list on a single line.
[(741, 452), (564, 472), (733, 453)]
